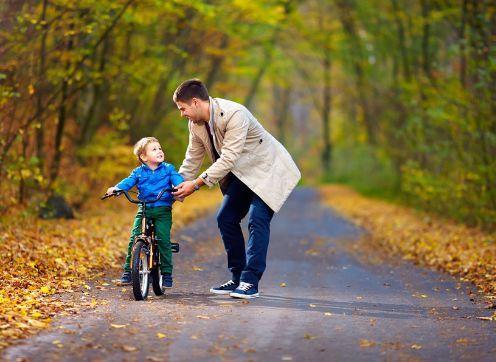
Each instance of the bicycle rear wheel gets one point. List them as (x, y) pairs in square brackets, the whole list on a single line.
[(139, 272)]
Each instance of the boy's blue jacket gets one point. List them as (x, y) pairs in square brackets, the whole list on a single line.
[(150, 182)]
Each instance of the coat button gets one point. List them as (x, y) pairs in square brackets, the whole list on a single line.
[(222, 114), (261, 140)]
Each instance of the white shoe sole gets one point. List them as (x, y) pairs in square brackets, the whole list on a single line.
[(223, 292), (244, 296)]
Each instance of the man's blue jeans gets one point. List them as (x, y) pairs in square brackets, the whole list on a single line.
[(238, 201)]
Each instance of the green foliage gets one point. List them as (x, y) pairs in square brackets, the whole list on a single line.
[(363, 167), (400, 95), (107, 159), (463, 195)]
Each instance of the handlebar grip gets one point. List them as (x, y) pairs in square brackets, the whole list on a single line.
[(110, 195)]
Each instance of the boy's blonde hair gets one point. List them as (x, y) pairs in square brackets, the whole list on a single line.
[(140, 146)]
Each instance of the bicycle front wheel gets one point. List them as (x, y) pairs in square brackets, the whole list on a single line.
[(158, 288), (140, 273)]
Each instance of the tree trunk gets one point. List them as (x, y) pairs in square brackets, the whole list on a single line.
[(62, 114), (90, 119), (326, 112), (426, 61), (463, 45), (267, 56), (22, 184), (349, 25), (401, 41), (281, 101), (162, 104), (266, 60), (484, 120), (216, 63), (40, 88)]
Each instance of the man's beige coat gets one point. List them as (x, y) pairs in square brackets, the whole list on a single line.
[(246, 149)]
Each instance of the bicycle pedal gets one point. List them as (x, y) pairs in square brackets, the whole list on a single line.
[(175, 247)]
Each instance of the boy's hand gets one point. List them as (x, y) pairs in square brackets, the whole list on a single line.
[(111, 190)]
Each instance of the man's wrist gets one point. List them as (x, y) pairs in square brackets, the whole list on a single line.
[(196, 185)]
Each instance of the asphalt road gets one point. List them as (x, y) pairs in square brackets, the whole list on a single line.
[(321, 299)]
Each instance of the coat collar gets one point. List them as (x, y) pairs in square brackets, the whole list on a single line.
[(145, 167), (215, 111)]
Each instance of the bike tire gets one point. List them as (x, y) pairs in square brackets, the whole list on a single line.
[(157, 286), (139, 272)]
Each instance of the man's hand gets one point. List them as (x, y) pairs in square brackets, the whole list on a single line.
[(184, 189)]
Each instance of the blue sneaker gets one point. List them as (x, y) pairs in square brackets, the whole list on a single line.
[(167, 280), (126, 278), (245, 291), (225, 288)]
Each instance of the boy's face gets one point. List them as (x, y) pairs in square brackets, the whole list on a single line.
[(153, 154)]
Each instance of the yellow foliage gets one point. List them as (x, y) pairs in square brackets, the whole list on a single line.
[(46, 257), (455, 248)]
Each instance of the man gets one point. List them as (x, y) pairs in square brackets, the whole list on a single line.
[(255, 172)]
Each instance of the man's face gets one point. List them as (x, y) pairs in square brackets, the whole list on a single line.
[(190, 110)]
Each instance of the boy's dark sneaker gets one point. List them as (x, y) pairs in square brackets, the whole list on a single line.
[(225, 288), (167, 280), (126, 278), (245, 291)]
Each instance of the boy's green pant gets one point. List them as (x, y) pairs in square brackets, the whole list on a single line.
[(162, 218)]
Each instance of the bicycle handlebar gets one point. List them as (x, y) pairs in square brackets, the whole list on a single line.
[(130, 199)]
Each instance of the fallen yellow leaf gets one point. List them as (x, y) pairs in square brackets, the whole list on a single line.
[(365, 343), (117, 325), (36, 323)]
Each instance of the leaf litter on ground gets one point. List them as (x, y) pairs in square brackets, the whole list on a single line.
[(44, 258)]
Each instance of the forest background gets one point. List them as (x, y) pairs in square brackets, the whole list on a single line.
[(396, 98)]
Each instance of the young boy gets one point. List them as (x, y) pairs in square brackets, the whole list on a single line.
[(150, 178)]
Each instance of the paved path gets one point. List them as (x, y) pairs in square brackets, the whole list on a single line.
[(320, 301)]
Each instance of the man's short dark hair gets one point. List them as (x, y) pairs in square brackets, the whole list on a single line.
[(189, 89)]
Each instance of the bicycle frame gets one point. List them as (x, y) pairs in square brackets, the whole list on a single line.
[(147, 228), (145, 258)]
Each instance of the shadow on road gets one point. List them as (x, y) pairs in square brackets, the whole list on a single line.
[(365, 309)]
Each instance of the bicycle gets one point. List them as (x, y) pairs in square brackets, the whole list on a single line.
[(145, 257)]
